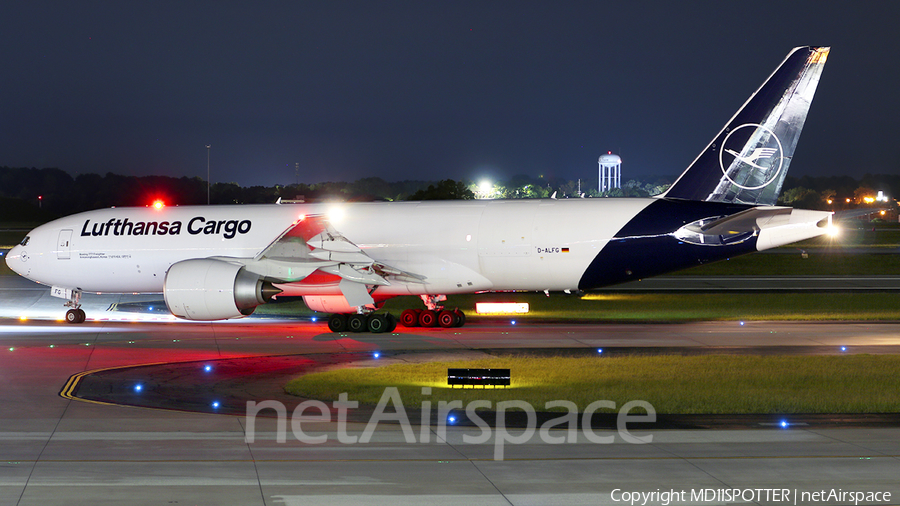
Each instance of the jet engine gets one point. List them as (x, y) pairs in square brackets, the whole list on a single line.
[(204, 289)]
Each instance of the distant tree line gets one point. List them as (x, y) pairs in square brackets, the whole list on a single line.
[(44, 193), (59, 193)]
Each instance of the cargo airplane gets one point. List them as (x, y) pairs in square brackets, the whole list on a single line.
[(219, 262)]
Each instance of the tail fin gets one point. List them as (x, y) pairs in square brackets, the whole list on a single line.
[(747, 161)]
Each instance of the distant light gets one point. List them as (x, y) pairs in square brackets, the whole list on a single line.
[(151, 308), (12, 349), (23, 318), (843, 348), (376, 354), (485, 186), (215, 405), (784, 424), (599, 350), (138, 388), (208, 368), (451, 419), (742, 324), (513, 322), (314, 318), (158, 204)]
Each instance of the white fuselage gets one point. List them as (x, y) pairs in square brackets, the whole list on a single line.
[(457, 246)]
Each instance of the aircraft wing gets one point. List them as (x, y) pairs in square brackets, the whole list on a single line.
[(312, 244)]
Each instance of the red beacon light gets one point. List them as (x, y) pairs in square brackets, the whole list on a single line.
[(158, 204)]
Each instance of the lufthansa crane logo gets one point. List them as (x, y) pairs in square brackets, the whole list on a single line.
[(768, 157)]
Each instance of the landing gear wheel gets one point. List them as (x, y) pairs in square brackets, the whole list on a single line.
[(460, 317), (357, 323), (378, 323), (337, 322), (75, 316), (410, 317), (428, 318), (392, 322), (447, 319)]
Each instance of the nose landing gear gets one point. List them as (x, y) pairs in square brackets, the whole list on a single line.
[(76, 314)]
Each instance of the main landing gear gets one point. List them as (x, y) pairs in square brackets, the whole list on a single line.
[(427, 318), (372, 322), (433, 316)]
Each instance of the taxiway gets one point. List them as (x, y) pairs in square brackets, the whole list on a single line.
[(56, 450)]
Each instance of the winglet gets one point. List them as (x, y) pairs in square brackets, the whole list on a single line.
[(747, 161)]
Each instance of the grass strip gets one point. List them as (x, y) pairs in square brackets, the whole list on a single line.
[(838, 263), (707, 384), (665, 307)]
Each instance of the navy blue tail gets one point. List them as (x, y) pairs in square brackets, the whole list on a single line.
[(747, 161)]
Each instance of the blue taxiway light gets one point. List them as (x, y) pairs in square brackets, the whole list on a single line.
[(742, 324), (513, 322), (451, 419), (843, 348), (207, 368), (784, 424), (599, 350), (215, 405), (314, 318), (376, 354), (138, 388)]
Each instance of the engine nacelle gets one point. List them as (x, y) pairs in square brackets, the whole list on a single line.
[(203, 289), (332, 303)]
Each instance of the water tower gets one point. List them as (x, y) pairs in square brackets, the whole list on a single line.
[(610, 172)]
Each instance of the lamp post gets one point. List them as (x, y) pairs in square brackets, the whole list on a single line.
[(207, 173)]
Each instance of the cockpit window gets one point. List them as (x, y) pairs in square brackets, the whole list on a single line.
[(24, 241)]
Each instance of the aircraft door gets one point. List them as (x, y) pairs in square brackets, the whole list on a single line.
[(65, 239)]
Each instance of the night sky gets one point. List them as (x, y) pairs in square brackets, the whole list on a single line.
[(429, 90)]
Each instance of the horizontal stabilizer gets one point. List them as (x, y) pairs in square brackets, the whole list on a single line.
[(744, 221)]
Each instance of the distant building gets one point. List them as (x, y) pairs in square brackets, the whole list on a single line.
[(610, 172)]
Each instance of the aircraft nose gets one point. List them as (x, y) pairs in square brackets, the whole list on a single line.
[(14, 259)]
